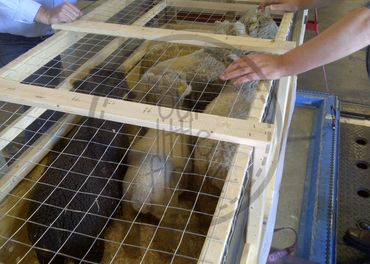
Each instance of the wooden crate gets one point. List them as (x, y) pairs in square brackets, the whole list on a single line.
[(261, 149)]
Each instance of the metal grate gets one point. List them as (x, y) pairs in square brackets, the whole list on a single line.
[(353, 188)]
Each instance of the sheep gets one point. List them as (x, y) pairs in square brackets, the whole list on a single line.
[(213, 159), (156, 163), (162, 51), (199, 68), (157, 159), (165, 88), (259, 24), (80, 189), (228, 28), (253, 23)]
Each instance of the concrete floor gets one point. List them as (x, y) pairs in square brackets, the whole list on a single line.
[(292, 188), (347, 78)]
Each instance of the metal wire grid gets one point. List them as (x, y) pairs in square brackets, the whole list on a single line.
[(55, 71), (51, 75), (129, 14), (190, 17), (134, 78), (174, 14), (104, 77), (116, 86), (134, 222), (89, 47), (185, 233)]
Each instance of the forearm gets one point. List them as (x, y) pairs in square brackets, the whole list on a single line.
[(293, 5), (308, 4), (348, 35)]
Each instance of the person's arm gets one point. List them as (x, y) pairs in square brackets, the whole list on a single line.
[(29, 11), (292, 5), (346, 36)]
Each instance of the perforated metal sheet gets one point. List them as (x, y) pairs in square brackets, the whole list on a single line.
[(354, 189)]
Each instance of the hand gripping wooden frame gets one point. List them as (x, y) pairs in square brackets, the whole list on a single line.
[(261, 146)]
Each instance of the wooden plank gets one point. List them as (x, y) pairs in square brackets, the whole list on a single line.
[(18, 126), (260, 102), (257, 2), (250, 252), (182, 37), (265, 189), (257, 203), (285, 98), (221, 228), (285, 27), (202, 125), (216, 6), (225, 213), (219, 6), (21, 123), (22, 166)]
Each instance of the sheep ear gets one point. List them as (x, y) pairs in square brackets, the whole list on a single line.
[(188, 90), (150, 76), (182, 75), (233, 57)]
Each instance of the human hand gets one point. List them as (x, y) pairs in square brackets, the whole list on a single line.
[(63, 13), (256, 67), (286, 5)]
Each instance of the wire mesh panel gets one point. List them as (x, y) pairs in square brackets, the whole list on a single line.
[(100, 191), (131, 189)]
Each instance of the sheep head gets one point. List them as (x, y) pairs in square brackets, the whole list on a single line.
[(166, 88)]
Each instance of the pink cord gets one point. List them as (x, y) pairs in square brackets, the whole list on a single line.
[(276, 255), (317, 31)]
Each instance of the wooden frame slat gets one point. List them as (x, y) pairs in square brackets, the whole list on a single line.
[(286, 96), (219, 6), (179, 36), (285, 26), (222, 221), (264, 169), (266, 178), (202, 125)]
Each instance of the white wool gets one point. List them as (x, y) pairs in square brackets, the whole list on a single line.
[(259, 24), (156, 163), (253, 23), (215, 158), (239, 29), (167, 82), (230, 28), (157, 159), (223, 27)]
